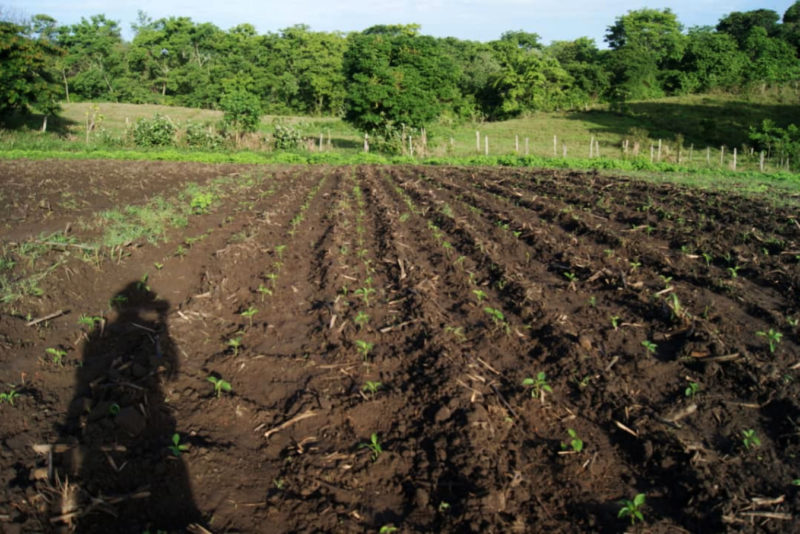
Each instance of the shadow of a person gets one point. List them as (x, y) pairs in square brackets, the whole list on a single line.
[(127, 476)]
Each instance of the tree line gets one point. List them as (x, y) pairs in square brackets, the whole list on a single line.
[(388, 78)]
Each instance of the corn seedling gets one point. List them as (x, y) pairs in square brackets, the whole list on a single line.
[(141, 285), (117, 300), (264, 291), (89, 321), (387, 529), (707, 257), (235, 343), (649, 346), (371, 387), (113, 409), (361, 319), (9, 396), (279, 251), (538, 385), (220, 385), (158, 266), (480, 295), (57, 354), (249, 313), (571, 277), (364, 293), (457, 332), (793, 321), (632, 509), (615, 321), (750, 439), (734, 271), (177, 447), (773, 338), (444, 506), (498, 318), (691, 390), (374, 446), (575, 443), (364, 348)]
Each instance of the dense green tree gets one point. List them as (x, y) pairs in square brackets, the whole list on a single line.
[(528, 80), (242, 109), (94, 64), (711, 60), (395, 77), (790, 29), (772, 60), (646, 45), (739, 24), (26, 82), (586, 64)]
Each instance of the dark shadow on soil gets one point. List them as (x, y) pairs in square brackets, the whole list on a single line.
[(712, 125), (33, 122), (127, 477)]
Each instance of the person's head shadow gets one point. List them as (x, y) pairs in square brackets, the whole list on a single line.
[(124, 463)]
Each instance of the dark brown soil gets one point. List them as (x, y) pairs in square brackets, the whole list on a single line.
[(466, 282)]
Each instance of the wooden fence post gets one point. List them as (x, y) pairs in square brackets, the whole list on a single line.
[(722, 155), (659, 150), (366, 143), (486, 145), (516, 143), (734, 159), (591, 147), (477, 141), (652, 151), (555, 146), (761, 162)]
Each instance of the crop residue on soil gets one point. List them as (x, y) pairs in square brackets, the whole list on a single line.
[(342, 349)]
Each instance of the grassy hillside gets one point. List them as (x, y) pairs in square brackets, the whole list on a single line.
[(701, 124)]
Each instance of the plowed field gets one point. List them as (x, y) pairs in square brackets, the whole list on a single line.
[(430, 349)]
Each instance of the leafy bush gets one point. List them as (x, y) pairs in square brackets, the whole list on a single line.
[(242, 110), (285, 137), (158, 131), (201, 136), (780, 142)]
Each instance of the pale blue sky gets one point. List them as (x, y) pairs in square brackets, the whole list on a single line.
[(479, 20)]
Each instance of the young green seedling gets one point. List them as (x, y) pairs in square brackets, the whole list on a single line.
[(57, 354), (89, 321), (220, 385), (632, 509), (498, 318), (364, 348), (235, 342), (649, 346), (691, 390), (734, 271), (264, 290), (538, 385), (361, 319), (387, 529), (249, 313), (773, 338), (708, 257), (480, 295), (374, 446), (750, 440), (615, 321), (9, 396), (575, 443), (364, 293), (279, 251), (177, 447), (271, 277), (372, 387)]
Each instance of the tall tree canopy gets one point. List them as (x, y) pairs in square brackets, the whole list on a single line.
[(26, 80), (395, 77)]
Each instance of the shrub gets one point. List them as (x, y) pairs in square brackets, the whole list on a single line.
[(158, 131), (285, 137), (201, 136)]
